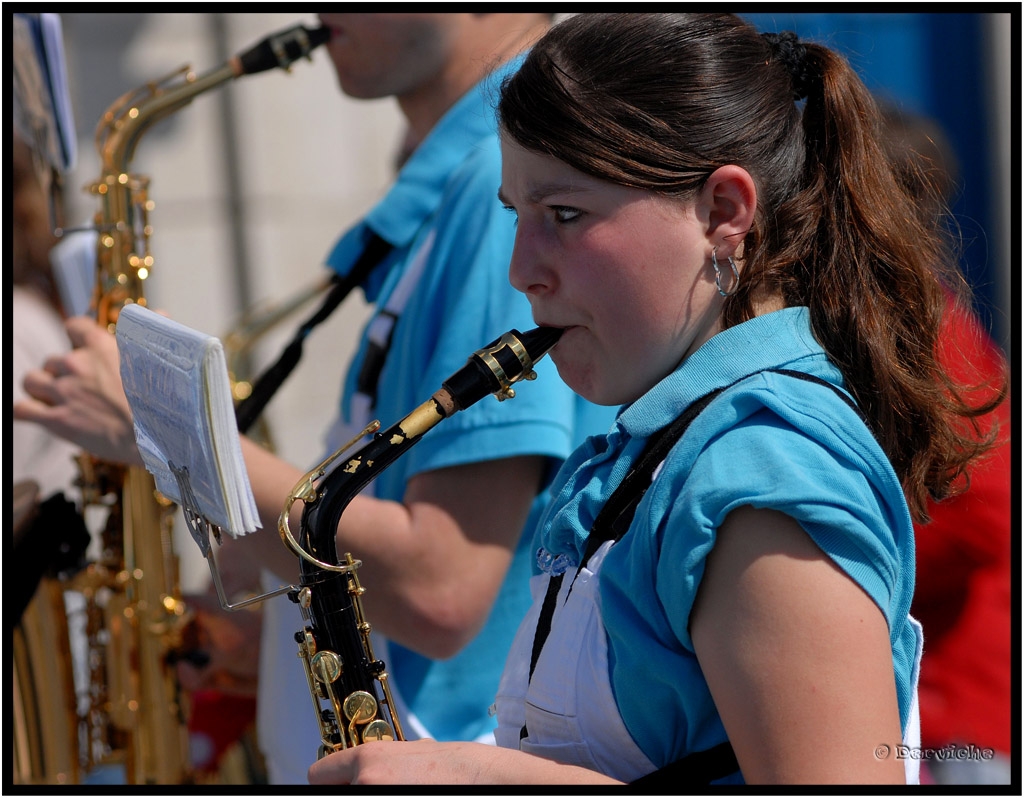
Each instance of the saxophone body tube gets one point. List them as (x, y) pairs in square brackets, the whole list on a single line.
[(342, 671)]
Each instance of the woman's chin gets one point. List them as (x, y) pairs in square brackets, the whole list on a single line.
[(578, 378)]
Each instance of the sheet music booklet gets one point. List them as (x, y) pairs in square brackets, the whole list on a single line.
[(176, 381)]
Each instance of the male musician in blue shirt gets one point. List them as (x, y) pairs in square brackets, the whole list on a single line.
[(445, 558)]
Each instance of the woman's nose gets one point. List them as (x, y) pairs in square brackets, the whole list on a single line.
[(527, 271)]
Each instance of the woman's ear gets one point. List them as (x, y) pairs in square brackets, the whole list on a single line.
[(727, 203)]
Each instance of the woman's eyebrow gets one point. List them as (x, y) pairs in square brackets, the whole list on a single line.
[(545, 190)]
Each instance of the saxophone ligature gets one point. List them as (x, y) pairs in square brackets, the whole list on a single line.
[(131, 714), (348, 684)]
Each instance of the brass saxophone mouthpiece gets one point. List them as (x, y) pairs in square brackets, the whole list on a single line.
[(281, 50)]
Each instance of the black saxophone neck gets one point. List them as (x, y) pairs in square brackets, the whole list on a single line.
[(490, 370)]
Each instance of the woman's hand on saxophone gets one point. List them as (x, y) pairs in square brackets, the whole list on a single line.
[(79, 396), (431, 762)]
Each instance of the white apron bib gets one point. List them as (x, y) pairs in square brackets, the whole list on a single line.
[(568, 707)]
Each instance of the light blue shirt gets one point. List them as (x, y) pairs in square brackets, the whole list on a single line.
[(773, 441), (462, 301)]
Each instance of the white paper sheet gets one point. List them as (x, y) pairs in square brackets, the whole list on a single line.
[(176, 381)]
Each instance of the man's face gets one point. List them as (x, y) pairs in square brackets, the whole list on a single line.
[(388, 55)]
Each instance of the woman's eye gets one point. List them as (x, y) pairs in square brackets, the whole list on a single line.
[(514, 212), (565, 215)]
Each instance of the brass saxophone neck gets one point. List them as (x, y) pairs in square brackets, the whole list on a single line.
[(136, 111), (257, 322), (124, 259)]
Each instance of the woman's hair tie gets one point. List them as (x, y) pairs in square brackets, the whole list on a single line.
[(786, 49)]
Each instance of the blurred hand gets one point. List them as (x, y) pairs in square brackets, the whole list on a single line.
[(232, 642), (79, 395)]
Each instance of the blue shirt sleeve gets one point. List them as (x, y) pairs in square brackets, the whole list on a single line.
[(764, 462)]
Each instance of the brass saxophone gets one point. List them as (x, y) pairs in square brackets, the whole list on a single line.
[(348, 684), (247, 331), (132, 714)]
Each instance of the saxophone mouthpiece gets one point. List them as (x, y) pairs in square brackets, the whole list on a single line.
[(496, 367), (539, 341), (281, 50)]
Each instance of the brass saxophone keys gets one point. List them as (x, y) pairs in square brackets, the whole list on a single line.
[(378, 730), (361, 708)]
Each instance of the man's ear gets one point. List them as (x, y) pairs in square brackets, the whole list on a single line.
[(726, 204)]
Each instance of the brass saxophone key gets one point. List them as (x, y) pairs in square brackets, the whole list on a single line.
[(360, 707), (378, 730), (326, 666)]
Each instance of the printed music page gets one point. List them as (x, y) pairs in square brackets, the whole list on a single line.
[(176, 381)]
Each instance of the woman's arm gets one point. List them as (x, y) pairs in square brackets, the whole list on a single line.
[(797, 657), (433, 563)]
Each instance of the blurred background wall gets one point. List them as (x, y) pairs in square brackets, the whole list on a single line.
[(253, 182)]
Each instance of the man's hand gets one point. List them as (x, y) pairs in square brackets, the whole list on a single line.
[(79, 395)]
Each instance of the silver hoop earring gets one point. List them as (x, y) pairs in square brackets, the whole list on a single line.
[(718, 273)]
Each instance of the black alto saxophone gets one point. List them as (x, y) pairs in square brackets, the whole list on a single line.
[(348, 684), (131, 713)]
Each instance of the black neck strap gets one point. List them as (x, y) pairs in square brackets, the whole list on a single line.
[(266, 386)]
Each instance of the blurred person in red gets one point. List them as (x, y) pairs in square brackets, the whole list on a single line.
[(962, 595)]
